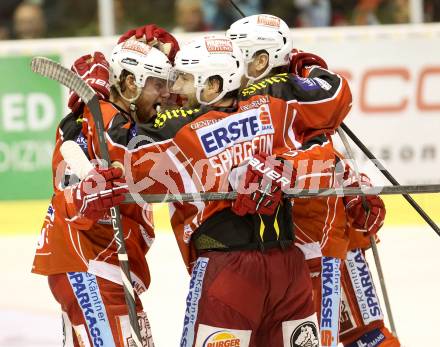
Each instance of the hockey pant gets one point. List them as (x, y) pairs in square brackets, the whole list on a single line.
[(250, 299), (347, 304), (95, 312), (361, 315)]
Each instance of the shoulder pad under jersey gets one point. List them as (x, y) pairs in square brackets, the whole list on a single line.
[(321, 84)]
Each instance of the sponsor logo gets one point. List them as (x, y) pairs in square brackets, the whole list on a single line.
[(234, 129), (330, 300), (262, 85), (136, 46), (262, 100), (192, 301), (268, 21), (305, 335), (363, 287), (86, 290), (269, 172), (218, 45), (162, 117), (82, 142), (222, 338), (323, 84), (130, 61), (306, 83), (371, 339), (203, 123)]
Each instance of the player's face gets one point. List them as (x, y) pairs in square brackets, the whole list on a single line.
[(184, 85), (154, 93)]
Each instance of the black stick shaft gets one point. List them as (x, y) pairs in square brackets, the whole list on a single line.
[(117, 228), (390, 178)]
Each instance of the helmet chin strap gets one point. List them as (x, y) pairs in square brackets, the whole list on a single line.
[(133, 107)]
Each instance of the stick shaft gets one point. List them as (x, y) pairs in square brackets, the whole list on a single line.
[(59, 73), (390, 178), (372, 238), (213, 196)]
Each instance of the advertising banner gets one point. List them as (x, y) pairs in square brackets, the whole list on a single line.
[(30, 109)]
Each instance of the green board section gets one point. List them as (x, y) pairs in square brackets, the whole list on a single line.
[(30, 110)]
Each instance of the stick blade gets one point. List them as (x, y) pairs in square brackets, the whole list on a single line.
[(55, 71)]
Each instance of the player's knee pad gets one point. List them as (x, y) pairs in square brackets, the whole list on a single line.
[(376, 338)]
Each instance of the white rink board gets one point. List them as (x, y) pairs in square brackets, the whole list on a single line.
[(394, 73), (29, 316)]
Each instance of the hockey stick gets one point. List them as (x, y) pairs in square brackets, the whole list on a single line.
[(69, 79), (372, 239), (390, 178), (80, 165), (237, 8), (291, 193)]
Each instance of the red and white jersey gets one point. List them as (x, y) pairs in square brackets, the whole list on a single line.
[(195, 150), (69, 243), (320, 223)]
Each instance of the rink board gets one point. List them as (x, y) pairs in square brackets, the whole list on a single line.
[(20, 217)]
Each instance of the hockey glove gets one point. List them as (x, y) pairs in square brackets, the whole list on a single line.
[(260, 187), (369, 221), (300, 60), (154, 36), (99, 191), (95, 71)]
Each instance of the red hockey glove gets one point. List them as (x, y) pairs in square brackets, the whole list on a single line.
[(299, 60), (365, 221), (259, 189), (156, 37), (95, 71), (99, 191)]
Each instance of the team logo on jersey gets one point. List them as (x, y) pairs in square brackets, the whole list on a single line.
[(235, 129), (216, 45), (305, 335), (268, 21)]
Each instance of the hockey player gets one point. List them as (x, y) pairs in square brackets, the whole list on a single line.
[(77, 249), (249, 285), (320, 223)]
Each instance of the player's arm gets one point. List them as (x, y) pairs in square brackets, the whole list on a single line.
[(369, 220), (150, 157), (265, 177)]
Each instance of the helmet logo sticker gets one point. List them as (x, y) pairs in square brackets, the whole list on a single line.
[(218, 45), (129, 61), (268, 21), (136, 46)]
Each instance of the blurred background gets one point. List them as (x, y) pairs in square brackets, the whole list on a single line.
[(388, 49)]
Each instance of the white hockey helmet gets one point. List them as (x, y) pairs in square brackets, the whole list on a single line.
[(141, 60), (210, 56), (262, 32)]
